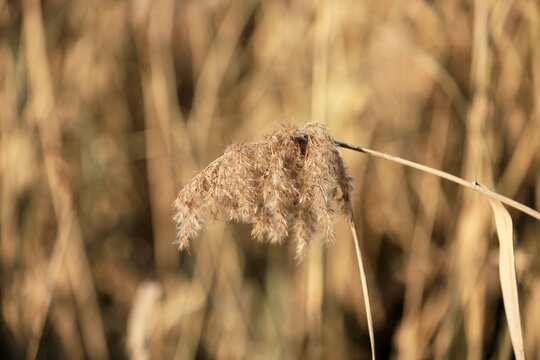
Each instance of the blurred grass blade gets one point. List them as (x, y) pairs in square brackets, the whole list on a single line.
[(507, 274), (363, 278)]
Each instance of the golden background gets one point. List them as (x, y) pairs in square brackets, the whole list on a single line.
[(108, 107)]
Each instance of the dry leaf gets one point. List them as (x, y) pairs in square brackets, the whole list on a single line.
[(507, 275)]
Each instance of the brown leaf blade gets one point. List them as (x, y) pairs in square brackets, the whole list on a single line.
[(507, 275)]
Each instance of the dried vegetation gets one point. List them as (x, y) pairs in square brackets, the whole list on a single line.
[(108, 108)]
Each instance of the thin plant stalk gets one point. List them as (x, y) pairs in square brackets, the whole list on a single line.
[(363, 279), (474, 185)]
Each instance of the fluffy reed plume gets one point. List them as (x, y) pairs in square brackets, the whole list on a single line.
[(292, 180)]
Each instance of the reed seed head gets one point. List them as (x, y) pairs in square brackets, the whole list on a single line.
[(292, 180)]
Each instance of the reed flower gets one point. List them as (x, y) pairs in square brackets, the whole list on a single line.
[(291, 181)]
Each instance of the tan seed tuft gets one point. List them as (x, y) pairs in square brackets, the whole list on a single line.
[(294, 179)]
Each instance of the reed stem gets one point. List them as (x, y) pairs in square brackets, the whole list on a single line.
[(474, 185), (363, 279)]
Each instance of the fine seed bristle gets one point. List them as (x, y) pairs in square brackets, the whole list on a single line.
[(294, 179)]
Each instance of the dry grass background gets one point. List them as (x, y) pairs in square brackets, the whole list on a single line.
[(107, 108)]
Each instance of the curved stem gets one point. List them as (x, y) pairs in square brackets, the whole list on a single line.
[(474, 185)]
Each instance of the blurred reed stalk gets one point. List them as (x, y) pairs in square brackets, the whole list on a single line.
[(69, 252)]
